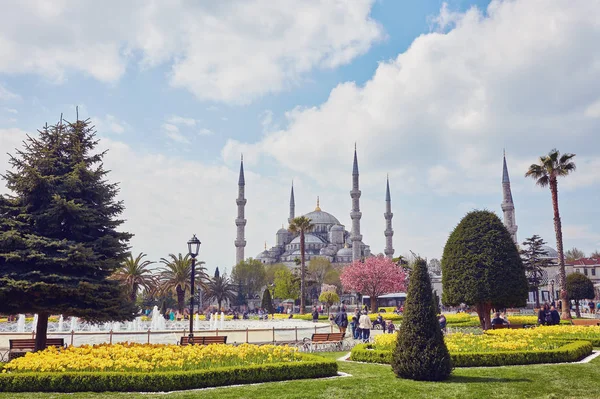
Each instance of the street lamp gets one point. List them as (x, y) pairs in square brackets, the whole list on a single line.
[(193, 248), (552, 288)]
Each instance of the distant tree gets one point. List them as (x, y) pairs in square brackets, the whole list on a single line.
[(59, 238), (329, 298), (573, 254), (134, 274), (318, 268), (376, 276), (176, 273), (420, 352), (481, 266), (546, 174), (267, 303), (535, 261), (301, 225), (579, 287), (220, 289), (333, 278), (250, 274), (434, 267), (595, 254), (270, 272), (287, 286)]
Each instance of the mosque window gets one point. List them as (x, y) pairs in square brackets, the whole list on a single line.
[(585, 271)]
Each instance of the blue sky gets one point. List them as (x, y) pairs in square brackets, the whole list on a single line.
[(431, 92)]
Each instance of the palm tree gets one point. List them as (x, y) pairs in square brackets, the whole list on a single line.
[(134, 274), (545, 173), (175, 276), (301, 225), (220, 289)]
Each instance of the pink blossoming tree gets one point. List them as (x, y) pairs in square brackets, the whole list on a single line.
[(375, 276)]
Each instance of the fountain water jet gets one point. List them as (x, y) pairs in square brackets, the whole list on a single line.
[(60, 323), (34, 324), (73, 323), (21, 323), (222, 320)]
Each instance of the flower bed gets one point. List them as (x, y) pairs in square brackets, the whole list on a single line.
[(135, 367), (494, 349), (561, 332)]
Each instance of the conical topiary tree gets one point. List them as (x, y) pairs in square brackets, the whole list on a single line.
[(267, 304), (420, 352)]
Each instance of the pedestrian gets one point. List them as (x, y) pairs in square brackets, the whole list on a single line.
[(315, 315), (442, 320), (354, 327), (391, 328), (341, 319), (555, 316), (592, 307), (365, 326)]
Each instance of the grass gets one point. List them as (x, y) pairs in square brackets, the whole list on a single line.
[(370, 380)]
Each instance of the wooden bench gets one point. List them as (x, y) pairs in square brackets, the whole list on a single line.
[(499, 326), (585, 322), (324, 340), (221, 339), (19, 347)]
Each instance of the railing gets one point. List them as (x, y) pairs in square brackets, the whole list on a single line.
[(235, 336)]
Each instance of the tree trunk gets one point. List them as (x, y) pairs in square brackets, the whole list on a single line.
[(180, 298), (483, 311), (577, 312), (41, 333), (373, 299), (537, 297), (302, 272), (562, 276), (133, 294)]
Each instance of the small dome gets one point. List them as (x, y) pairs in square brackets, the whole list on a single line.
[(550, 252), (282, 231), (337, 227), (308, 238), (344, 252)]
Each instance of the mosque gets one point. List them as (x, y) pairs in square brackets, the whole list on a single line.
[(328, 238)]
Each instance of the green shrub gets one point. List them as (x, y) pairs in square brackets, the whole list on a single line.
[(570, 352), (421, 353), (310, 367)]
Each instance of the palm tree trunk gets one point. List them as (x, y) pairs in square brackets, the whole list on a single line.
[(562, 275), (577, 311), (133, 294), (483, 311), (302, 304), (180, 298)]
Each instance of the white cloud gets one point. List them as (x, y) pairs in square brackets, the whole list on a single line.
[(11, 111), (180, 120), (7, 95), (10, 140), (110, 124), (172, 132), (231, 51), (443, 110), (205, 132)]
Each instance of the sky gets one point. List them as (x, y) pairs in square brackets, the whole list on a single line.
[(431, 92)]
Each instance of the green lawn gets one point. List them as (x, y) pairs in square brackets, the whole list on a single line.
[(377, 381)]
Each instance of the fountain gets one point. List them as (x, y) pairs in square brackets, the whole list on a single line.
[(60, 323), (34, 324), (21, 323), (196, 321), (73, 323), (158, 322), (222, 320)]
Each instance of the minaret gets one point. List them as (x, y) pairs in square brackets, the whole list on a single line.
[(240, 222), (508, 207), (355, 215), (388, 215), (292, 205)]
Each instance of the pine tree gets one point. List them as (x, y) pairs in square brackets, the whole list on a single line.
[(58, 231), (420, 352), (535, 261), (267, 303)]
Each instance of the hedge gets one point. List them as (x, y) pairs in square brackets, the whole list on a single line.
[(570, 352), (311, 367)]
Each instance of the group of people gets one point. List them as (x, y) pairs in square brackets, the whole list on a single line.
[(548, 315)]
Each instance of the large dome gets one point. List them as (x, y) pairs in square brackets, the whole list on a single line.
[(549, 252), (320, 217)]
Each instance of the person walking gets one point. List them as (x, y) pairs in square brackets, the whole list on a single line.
[(315, 315), (365, 325), (341, 320)]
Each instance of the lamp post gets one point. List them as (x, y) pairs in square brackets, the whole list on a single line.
[(552, 288), (193, 248)]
